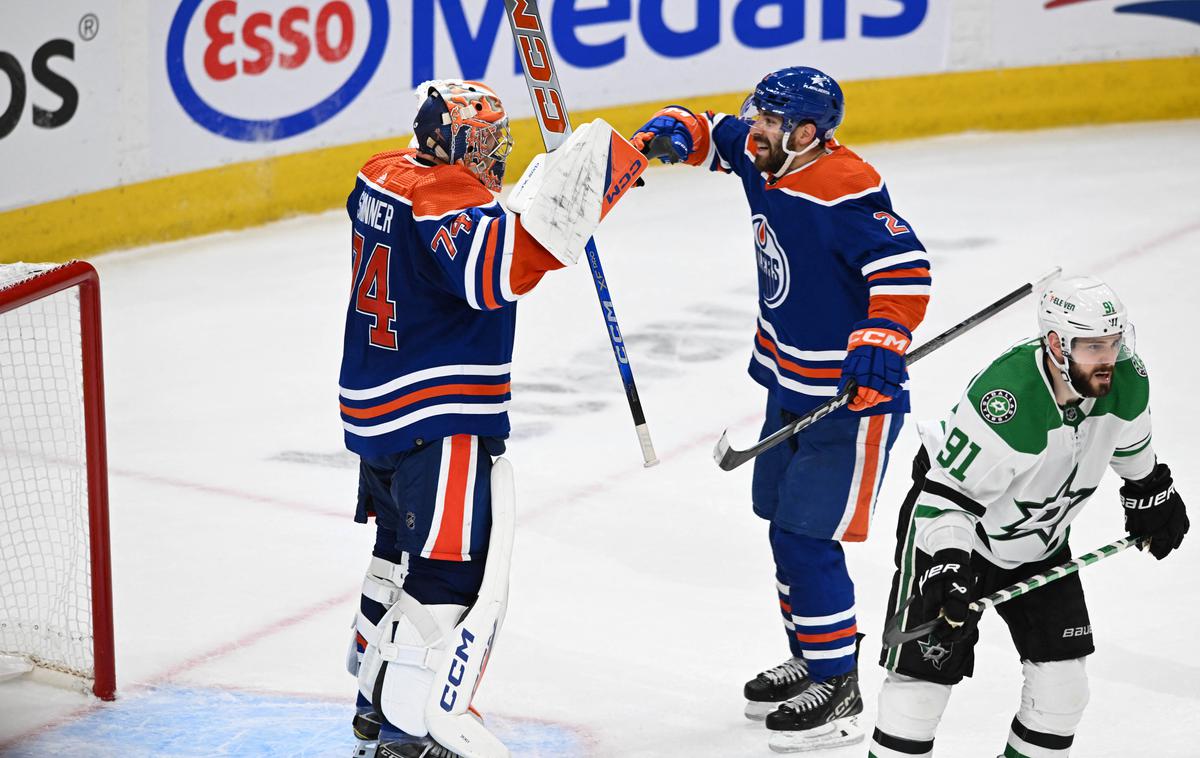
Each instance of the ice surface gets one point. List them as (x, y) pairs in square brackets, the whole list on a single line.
[(641, 599)]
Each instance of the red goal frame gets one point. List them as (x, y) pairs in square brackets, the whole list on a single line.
[(82, 275)]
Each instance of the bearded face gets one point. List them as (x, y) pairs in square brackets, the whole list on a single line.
[(1091, 381), (767, 136), (1092, 362)]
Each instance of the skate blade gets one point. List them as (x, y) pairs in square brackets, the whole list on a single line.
[(838, 733), (757, 711)]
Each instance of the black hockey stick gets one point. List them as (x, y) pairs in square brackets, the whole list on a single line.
[(551, 111), (728, 458), (894, 635)]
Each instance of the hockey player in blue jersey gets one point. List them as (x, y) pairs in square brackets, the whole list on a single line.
[(843, 281), (438, 265)]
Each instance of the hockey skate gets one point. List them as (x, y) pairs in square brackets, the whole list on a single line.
[(366, 733), (422, 748), (766, 691), (824, 715)]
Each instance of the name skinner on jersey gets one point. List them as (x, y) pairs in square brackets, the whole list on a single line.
[(375, 212)]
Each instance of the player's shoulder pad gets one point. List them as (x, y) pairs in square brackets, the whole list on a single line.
[(1012, 398), (432, 190), (1130, 395), (832, 179)]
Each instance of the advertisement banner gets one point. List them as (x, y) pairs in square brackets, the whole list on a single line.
[(61, 117), (105, 93), (1047, 32)]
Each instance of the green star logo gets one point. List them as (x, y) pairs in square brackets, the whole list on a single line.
[(998, 406), (1043, 519)]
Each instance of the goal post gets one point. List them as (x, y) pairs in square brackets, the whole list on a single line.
[(55, 569)]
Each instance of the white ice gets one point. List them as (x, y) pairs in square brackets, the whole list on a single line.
[(641, 599)]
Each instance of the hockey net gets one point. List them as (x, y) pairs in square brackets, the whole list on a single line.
[(55, 589)]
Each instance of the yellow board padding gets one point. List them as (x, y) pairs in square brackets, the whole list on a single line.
[(248, 194)]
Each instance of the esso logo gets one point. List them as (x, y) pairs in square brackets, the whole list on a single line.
[(257, 70), (773, 279)]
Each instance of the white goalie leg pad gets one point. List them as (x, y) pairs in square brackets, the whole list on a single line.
[(382, 584), (398, 671), (450, 721), (909, 708), (562, 196), (1052, 702)]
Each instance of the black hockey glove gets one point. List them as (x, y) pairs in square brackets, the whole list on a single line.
[(1154, 509), (947, 590)]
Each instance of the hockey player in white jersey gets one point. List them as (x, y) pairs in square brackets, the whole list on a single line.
[(996, 487)]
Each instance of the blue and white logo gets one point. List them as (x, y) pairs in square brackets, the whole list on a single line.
[(258, 70), (773, 277)]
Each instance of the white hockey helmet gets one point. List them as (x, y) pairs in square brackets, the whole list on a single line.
[(1083, 307)]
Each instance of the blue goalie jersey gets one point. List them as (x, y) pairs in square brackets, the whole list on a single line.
[(438, 266)]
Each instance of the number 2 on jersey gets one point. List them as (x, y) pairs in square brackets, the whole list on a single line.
[(956, 442), (371, 296)]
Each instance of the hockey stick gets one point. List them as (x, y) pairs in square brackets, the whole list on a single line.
[(728, 458), (894, 635), (542, 81)]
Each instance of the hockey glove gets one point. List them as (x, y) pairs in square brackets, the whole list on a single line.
[(947, 589), (670, 122), (1154, 509), (875, 361)]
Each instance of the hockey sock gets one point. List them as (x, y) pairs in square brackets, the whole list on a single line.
[(884, 745), (822, 601), (1024, 742), (785, 610)]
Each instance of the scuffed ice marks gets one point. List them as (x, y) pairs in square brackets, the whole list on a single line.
[(587, 382)]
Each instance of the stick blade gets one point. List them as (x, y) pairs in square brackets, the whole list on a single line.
[(894, 635), (725, 456)]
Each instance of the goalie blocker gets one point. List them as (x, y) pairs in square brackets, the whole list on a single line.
[(424, 672), (563, 196)]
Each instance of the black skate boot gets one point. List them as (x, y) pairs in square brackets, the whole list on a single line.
[(766, 691), (366, 732), (422, 748), (824, 715)]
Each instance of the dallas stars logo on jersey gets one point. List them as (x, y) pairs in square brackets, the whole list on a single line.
[(998, 406), (1044, 519)]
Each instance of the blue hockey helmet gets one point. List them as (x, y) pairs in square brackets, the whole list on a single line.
[(464, 122), (799, 94)]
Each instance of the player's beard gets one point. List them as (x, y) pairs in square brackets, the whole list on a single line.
[(1087, 383), (771, 161)]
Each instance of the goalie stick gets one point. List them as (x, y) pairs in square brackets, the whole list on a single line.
[(894, 635), (728, 458), (540, 77)]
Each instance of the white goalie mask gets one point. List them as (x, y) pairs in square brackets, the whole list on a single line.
[(1090, 320)]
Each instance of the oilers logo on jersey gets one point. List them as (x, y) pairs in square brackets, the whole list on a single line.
[(773, 275)]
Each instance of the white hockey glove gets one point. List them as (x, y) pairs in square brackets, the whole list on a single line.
[(563, 196)]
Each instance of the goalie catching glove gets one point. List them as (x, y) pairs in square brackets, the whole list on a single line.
[(1154, 509), (875, 361), (563, 196)]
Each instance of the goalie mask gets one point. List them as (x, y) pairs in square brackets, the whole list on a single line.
[(464, 122), (1091, 324)]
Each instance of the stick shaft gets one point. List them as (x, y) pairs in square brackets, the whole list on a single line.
[(729, 459), (549, 105)]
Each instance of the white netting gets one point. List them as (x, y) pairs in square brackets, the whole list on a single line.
[(45, 570)]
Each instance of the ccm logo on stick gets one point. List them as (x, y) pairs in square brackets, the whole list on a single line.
[(534, 56)]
